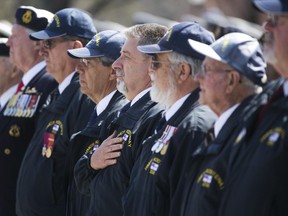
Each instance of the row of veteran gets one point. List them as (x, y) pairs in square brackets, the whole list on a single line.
[(176, 126)]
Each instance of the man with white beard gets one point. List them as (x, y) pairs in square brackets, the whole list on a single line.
[(173, 67)]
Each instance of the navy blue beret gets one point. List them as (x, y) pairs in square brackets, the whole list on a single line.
[(33, 18)]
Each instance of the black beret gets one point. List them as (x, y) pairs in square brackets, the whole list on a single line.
[(4, 50), (33, 18)]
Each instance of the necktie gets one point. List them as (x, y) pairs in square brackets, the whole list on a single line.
[(92, 118), (125, 108), (54, 95), (161, 123), (20, 85), (210, 136), (277, 94)]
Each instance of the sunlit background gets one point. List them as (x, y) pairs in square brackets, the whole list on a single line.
[(120, 13)]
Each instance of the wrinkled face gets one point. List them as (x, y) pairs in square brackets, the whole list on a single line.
[(94, 76), (213, 82), (277, 25), (55, 55), (5, 71), (163, 79), (131, 69), (22, 49)]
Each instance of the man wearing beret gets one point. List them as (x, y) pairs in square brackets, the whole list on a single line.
[(18, 118), (227, 86), (98, 81), (173, 67), (256, 182), (42, 185)]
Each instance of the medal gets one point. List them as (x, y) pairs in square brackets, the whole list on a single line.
[(155, 146), (159, 147), (43, 151), (48, 144), (48, 152), (163, 141)]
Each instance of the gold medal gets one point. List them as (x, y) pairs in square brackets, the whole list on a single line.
[(48, 153)]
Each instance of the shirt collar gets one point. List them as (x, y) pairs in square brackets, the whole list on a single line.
[(30, 74), (175, 107), (223, 118), (62, 86), (102, 105), (140, 95), (7, 95)]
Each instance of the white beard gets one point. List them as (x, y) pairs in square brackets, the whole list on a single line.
[(122, 87), (163, 97), (269, 56), (268, 50)]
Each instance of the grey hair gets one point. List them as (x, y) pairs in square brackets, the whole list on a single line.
[(248, 84), (148, 33), (176, 58)]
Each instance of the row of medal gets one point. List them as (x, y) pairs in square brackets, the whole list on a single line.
[(49, 141), (23, 104), (161, 144)]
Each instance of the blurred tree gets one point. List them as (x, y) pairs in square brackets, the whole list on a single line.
[(122, 11), (51, 5)]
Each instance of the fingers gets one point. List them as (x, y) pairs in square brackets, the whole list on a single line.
[(114, 147), (112, 155), (111, 141), (107, 153)]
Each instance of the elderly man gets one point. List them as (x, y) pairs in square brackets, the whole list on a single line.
[(173, 66), (42, 186), (18, 117), (256, 183), (108, 183), (200, 190), (98, 81), (10, 75)]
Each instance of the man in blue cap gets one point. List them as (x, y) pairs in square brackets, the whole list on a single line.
[(233, 70), (173, 67), (104, 172), (42, 182), (256, 181), (98, 81), (18, 117)]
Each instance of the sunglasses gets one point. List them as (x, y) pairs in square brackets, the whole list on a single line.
[(157, 64), (50, 43), (87, 62)]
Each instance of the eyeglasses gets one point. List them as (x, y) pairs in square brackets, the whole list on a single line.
[(274, 19), (50, 43), (88, 62), (157, 64), (205, 71)]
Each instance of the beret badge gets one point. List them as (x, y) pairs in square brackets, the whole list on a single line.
[(27, 17)]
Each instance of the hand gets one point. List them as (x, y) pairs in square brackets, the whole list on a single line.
[(105, 155)]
